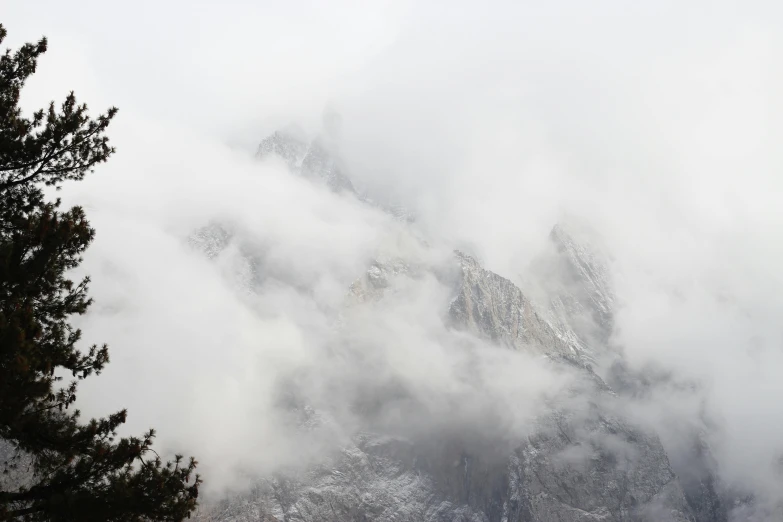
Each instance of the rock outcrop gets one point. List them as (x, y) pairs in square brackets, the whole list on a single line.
[(581, 461)]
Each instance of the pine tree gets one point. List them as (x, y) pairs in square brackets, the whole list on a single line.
[(79, 471)]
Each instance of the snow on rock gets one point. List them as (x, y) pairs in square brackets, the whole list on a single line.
[(583, 461)]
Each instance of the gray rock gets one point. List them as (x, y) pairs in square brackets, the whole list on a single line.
[(585, 284), (582, 463), (321, 165), (318, 161), (493, 307), (290, 146), (314, 161)]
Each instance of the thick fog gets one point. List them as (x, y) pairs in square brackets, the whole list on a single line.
[(656, 127)]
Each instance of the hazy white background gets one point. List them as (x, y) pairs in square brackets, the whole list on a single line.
[(658, 122)]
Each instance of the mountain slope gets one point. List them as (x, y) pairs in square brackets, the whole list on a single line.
[(581, 460)]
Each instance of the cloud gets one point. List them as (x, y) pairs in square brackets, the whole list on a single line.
[(658, 124)]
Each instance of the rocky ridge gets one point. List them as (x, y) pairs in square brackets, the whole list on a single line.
[(580, 464), (315, 160)]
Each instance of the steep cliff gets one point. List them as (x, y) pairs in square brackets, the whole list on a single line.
[(580, 460)]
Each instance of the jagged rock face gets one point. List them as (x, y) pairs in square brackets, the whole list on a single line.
[(580, 465), (318, 162), (580, 462), (284, 145), (692, 459), (597, 467), (707, 498), (603, 489), (377, 279), (492, 306), (388, 479), (584, 296), (313, 161), (321, 165)]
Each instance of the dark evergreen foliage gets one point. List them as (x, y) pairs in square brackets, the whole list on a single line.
[(80, 471)]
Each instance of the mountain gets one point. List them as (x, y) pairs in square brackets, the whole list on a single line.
[(492, 306), (290, 146), (313, 160), (583, 459), (585, 295), (382, 477), (316, 160)]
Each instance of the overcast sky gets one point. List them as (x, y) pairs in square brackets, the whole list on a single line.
[(659, 123)]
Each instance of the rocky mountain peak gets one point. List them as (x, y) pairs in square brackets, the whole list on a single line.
[(584, 285), (493, 307), (291, 147), (320, 164), (313, 160), (581, 463)]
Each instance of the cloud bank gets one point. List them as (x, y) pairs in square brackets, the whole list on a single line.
[(659, 125)]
